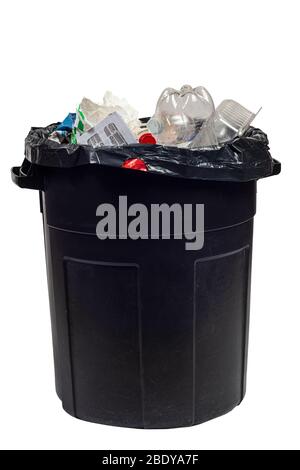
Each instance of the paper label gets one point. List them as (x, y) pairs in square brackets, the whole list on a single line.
[(111, 131)]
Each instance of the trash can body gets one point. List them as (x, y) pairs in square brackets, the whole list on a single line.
[(147, 334)]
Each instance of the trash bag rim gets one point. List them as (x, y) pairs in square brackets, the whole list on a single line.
[(243, 159)]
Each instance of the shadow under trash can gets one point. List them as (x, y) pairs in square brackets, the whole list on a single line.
[(147, 333)]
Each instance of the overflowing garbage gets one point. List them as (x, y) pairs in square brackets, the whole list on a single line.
[(187, 136), (184, 118)]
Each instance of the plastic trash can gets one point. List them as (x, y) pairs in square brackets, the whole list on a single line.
[(146, 334)]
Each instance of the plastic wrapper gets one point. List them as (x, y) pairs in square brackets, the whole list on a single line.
[(89, 114), (245, 158)]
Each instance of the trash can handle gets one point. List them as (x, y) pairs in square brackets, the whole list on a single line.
[(26, 181), (276, 167)]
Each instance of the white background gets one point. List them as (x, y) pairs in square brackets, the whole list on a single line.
[(54, 53)]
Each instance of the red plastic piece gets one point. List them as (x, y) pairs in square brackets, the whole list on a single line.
[(135, 164), (147, 138)]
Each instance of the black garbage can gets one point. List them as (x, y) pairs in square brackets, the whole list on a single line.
[(146, 333)]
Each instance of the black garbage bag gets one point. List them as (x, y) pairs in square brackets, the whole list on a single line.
[(245, 158)]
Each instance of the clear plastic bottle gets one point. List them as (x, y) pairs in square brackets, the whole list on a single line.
[(180, 114)]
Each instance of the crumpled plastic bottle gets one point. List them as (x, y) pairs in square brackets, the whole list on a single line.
[(180, 114)]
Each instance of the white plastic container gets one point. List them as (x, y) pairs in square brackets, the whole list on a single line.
[(229, 120)]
